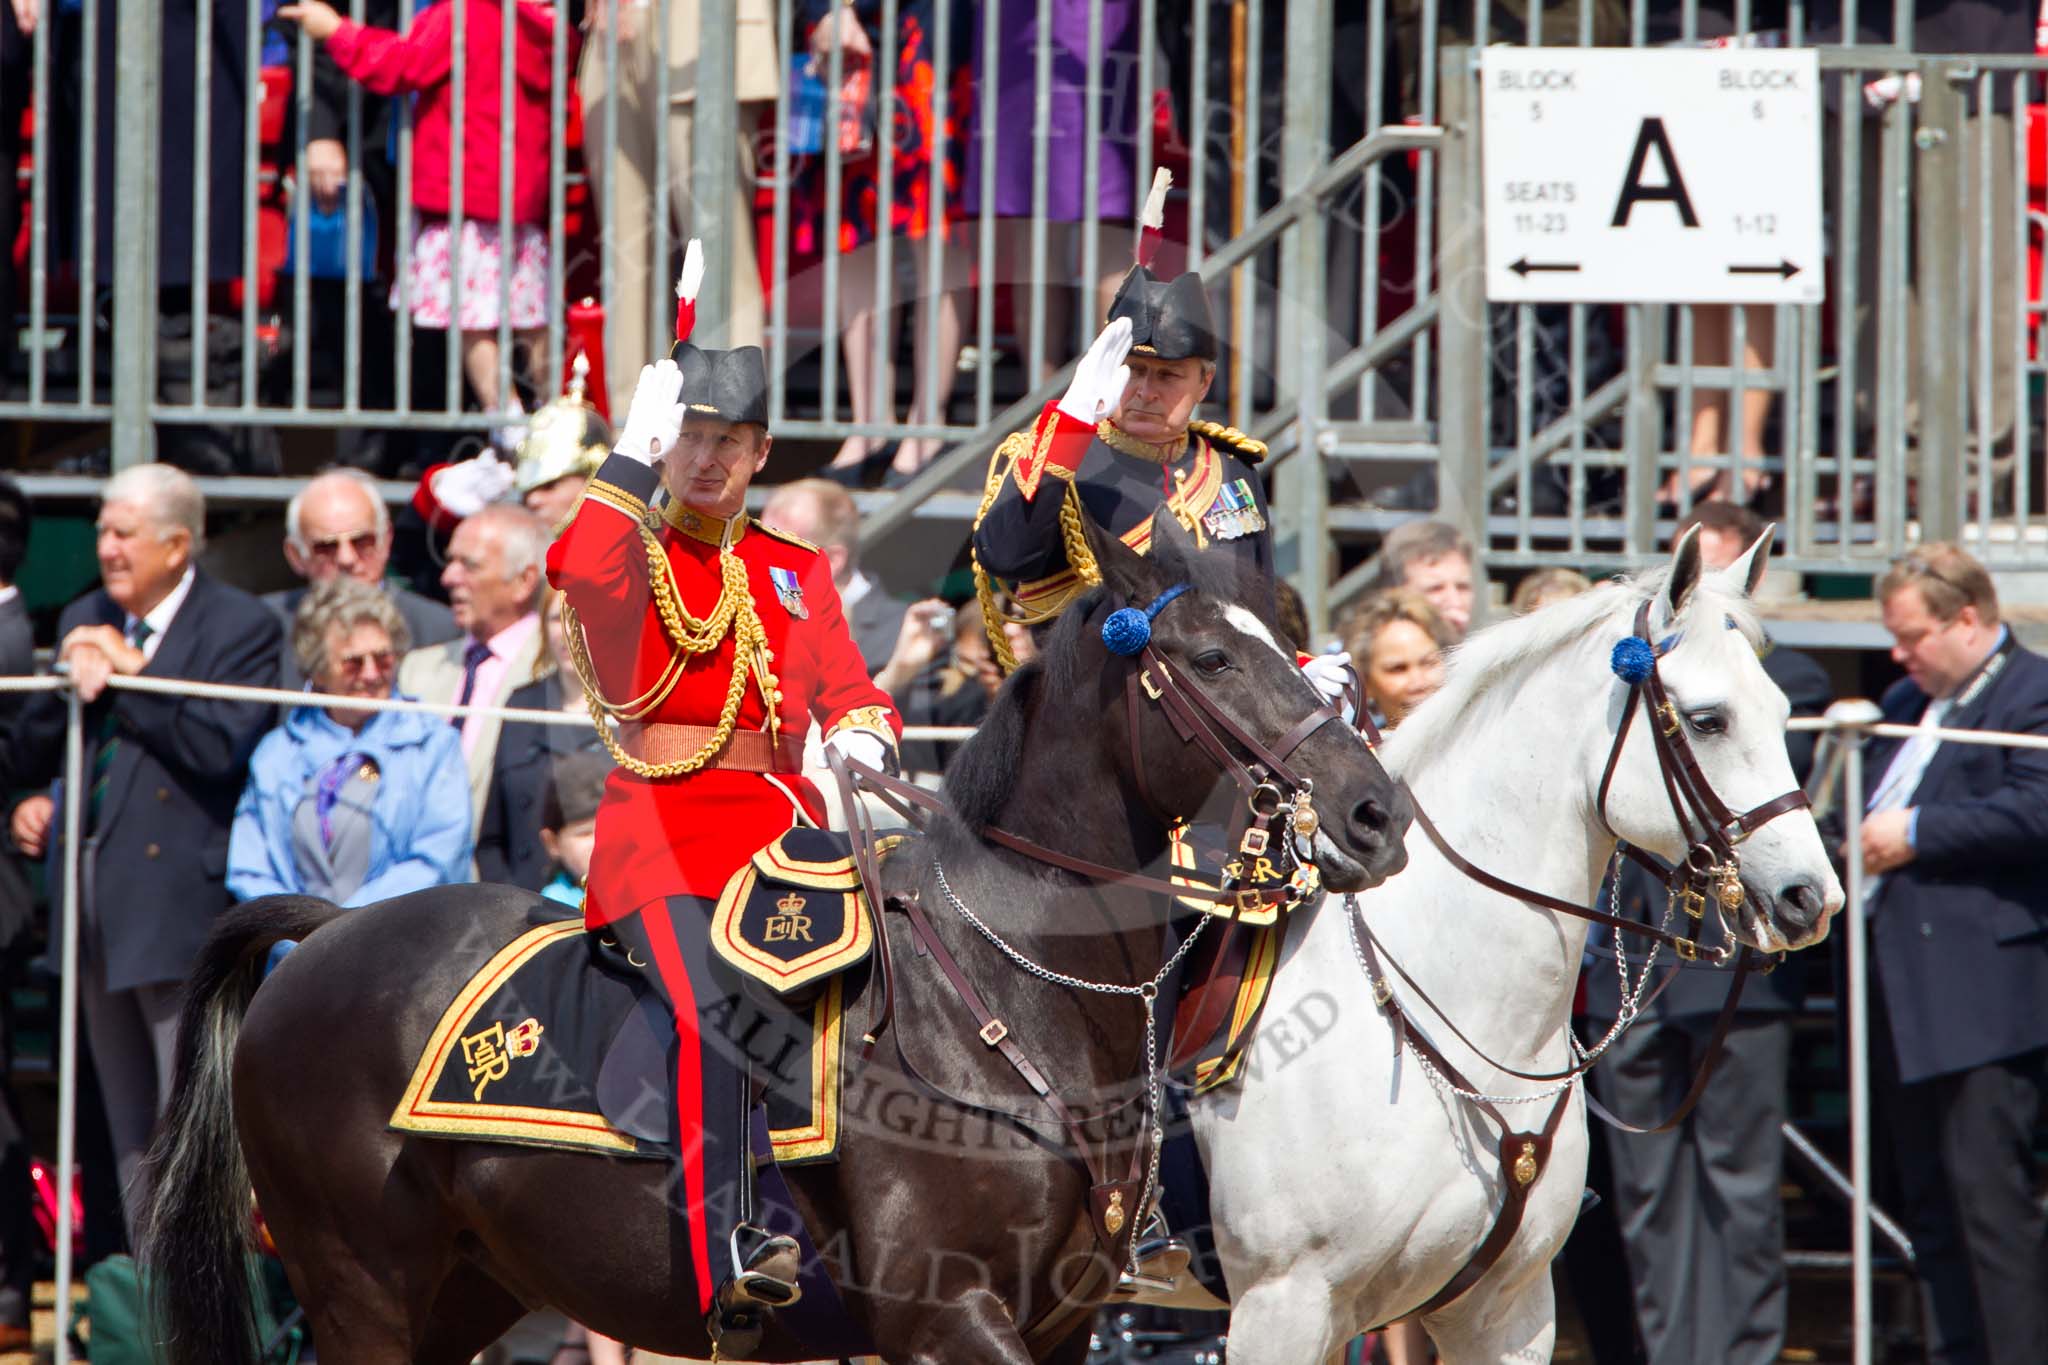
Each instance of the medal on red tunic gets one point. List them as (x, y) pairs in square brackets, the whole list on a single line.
[(791, 592)]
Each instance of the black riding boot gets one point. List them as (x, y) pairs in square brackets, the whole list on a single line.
[(761, 1267)]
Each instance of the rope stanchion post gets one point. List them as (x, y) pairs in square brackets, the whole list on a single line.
[(67, 1006), (1853, 721)]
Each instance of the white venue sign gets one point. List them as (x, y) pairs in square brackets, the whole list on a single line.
[(1626, 175)]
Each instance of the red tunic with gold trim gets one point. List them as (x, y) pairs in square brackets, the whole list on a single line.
[(687, 834), (1206, 478)]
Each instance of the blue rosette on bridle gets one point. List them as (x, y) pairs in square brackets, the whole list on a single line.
[(1633, 659), (1127, 630)]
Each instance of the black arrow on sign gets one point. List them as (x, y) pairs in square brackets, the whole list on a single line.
[(1784, 270), (1526, 267)]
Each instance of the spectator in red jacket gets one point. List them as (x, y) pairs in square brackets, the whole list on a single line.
[(492, 268)]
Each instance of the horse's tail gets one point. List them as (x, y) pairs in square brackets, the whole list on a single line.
[(198, 1231)]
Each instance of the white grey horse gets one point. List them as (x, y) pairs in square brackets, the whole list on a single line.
[(1348, 1188)]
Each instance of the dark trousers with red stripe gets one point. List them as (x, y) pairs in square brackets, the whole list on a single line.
[(713, 1023)]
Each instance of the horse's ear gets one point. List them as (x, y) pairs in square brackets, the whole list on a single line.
[(1124, 571), (1685, 571), (1173, 549), (1749, 569)]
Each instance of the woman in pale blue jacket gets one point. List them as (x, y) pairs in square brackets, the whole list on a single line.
[(348, 804)]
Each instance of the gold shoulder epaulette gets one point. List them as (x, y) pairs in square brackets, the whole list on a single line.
[(797, 541), (1007, 453), (1246, 449)]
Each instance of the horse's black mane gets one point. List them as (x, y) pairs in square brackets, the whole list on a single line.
[(983, 773)]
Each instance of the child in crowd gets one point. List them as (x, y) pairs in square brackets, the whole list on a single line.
[(568, 821), (420, 61)]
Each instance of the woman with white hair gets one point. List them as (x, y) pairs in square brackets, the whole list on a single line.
[(346, 803)]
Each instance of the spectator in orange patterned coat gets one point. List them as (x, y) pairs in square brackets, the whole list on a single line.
[(715, 643)]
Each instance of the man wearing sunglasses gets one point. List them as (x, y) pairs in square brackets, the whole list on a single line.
[(338, 527)]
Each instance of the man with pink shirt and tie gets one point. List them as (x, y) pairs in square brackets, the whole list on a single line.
[(493, 581)]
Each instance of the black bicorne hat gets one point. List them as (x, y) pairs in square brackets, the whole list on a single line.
[(1169, 318), (731, 386)]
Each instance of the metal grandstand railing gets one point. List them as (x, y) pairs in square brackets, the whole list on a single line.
[(1327, 161)]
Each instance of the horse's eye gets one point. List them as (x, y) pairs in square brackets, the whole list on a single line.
[(1212, 661), (1707, 722)]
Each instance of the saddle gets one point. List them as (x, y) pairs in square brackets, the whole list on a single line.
[(559, 1041)]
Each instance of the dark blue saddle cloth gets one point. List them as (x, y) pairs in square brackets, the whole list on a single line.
[(559, 1042), (517, 1055)]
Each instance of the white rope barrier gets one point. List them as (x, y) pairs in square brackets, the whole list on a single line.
[(1848, 720), (179, 687), (284, 697), (2006, 739)]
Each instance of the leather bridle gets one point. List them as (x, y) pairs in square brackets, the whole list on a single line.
[(1712, 865), (1277, 796)]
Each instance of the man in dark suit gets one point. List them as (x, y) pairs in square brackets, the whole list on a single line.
[(1698, 1206), (162, 776), (338, 525), (17, 902), (1958, 916), (823, 513), (508, 846)]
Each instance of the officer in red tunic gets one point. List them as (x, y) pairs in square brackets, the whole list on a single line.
[(713, 643)]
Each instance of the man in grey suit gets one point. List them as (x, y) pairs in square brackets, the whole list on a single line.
[(823, 512), (338, 525), (493, 581), (163, 773), (1958, 914)]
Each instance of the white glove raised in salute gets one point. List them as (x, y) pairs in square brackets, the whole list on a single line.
[(468, 486), (1100, 376), (654, 422)]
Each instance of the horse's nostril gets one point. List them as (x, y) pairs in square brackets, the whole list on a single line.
[(1802, 904), (1370, 814)]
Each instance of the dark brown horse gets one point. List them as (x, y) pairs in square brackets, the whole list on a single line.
[(951, 1231)]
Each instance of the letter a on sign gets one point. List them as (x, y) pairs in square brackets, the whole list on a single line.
[(1650, 137)]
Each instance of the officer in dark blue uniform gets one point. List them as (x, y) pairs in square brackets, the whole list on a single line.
[(1121, 443)]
